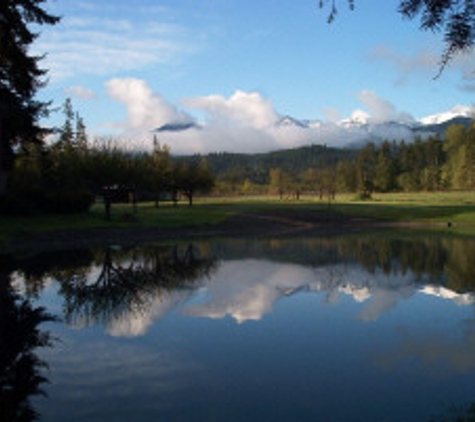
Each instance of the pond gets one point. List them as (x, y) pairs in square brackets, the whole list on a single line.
[(359, 328)]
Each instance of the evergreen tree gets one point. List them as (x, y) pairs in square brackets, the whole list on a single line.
[(366, 170), (80, 135), (455, 148), (346, 176), (20, 78), (66, 133), (434, 162), (385, 169)]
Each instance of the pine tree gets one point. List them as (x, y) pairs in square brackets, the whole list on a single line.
[(80, 135), (20, 78), (66, 133)]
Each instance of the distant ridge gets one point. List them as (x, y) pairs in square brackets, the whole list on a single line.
[(176, 127), (441, 128)]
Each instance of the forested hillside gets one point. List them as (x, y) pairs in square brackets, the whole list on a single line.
[(256, 167), (437, 162)]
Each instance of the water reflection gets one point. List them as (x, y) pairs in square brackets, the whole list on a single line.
[(392, 306), (21, 370), (114, 285), (121, 291)]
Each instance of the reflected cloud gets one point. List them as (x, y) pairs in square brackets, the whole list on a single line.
[(128, 290), (133, 323), (382, 301), (248, 289)]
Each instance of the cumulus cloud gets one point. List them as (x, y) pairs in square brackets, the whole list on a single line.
[(247, 290), (146, 109), (248, 109)]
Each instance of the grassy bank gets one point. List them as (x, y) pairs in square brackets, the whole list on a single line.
[(425, 208)]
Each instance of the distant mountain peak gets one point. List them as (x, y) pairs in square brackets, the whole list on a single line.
[(176, 127), (288, 121), (457, 111)]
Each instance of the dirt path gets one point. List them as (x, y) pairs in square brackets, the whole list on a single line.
[(259, 224)]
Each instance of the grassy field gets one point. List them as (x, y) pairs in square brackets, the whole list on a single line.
[(429, 208)]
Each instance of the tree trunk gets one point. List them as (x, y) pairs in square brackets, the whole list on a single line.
[(3, 158), (3, 180)]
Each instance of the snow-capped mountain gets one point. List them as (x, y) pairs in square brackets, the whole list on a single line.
[(361, 129), (457, 111)]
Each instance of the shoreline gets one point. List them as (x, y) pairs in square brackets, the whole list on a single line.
[(260, 224), (255, 224)]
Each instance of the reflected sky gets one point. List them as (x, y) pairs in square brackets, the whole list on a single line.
[(260, 332)]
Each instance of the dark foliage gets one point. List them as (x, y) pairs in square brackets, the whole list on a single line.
[(20, 77)]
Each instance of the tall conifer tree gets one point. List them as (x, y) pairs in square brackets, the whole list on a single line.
[(20, 78)]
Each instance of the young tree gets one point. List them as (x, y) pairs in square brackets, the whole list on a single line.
[(20, 78), (366, 170), (160, 170), (346, 175), (192, 178), (80, 137), (279, 181), (66, 133)]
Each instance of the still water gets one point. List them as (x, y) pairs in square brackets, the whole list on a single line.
[(367, 328)]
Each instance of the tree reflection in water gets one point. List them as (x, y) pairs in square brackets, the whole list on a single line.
[(130, 282), (107, 285), (20, 368)]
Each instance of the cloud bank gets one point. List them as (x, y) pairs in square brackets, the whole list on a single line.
[(247, 122)]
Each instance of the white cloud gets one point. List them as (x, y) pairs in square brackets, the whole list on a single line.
[(249, 109), (246, 121), (146, 109), (89, 45), (424, 61), (381, 110), (247, 290), (81, 92)]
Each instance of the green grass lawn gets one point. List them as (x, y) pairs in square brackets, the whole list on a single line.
[(456, 207)]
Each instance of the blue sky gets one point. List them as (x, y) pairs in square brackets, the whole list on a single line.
[(235, 66)]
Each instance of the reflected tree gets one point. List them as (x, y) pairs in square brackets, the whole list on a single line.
[(21, 369), (460, 266), (457, 414), (131, 284)]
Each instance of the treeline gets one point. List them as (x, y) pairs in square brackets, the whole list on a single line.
[(431, 164), (72, 172), (236, 168)]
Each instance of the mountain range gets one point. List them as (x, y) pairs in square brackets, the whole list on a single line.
[(368, 130), (353, 132)]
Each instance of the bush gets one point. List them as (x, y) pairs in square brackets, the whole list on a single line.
[(36, 201), (65, 202), (364, 196), (22, 203)]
